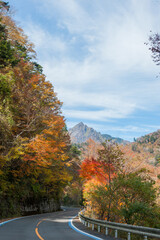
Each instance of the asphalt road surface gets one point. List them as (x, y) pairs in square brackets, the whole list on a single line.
[(49, 226)]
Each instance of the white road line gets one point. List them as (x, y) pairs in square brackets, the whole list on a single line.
[(9, 221), (80, 231)]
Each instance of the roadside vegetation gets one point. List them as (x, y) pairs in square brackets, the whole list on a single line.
[(34, 143), (115, 192)]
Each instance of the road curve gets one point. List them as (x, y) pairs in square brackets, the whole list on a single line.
[(49, 226)]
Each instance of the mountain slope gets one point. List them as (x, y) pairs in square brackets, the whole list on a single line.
[(152, 138), (150, 144), (80, 133)]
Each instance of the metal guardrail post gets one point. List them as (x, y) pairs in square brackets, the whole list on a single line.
[(116, 233), (92, 226), (129, 236), (145, 232), (88, 224)]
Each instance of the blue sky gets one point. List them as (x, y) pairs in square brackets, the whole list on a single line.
[(94, 54)]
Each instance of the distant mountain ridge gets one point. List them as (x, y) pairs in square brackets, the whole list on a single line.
[(152, 138), (80, 133)]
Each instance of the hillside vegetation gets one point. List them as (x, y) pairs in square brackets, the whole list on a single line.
[(148, 149), (34, 144), (120, 185)]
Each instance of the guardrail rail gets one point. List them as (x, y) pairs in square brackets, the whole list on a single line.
[(139, 230)]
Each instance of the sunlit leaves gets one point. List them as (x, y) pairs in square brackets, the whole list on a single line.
[(91, 168), (33, 141)]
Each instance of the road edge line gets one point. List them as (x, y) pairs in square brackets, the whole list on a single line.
[(80, 231), (2, 223)]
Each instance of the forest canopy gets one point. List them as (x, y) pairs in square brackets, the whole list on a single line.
[(34, 142)]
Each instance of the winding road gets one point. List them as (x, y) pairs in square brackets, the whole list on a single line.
[(49, 226)]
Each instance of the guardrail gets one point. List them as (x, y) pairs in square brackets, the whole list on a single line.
[(139, 230)]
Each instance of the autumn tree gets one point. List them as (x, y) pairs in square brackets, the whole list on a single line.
[(118, 191), (99, 174), (73, 191), (135, 199), (112, 159), (34, 144), (90, 149), (91, 168)]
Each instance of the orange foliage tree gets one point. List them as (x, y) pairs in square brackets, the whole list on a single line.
[(33, 141), (91, 168), (99, 174)]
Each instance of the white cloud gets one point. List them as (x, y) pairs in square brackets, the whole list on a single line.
[(44, 41), (74, 96), (104, 106), (115, 54), (125, 129), (70, 14), (118, 37)]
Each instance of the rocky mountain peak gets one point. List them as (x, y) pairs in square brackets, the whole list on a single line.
[(80, 133)]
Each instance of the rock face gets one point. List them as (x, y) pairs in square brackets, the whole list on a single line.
[(44, 207), (80, 133)]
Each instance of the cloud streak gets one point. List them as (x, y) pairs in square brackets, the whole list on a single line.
[(95, 56)]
